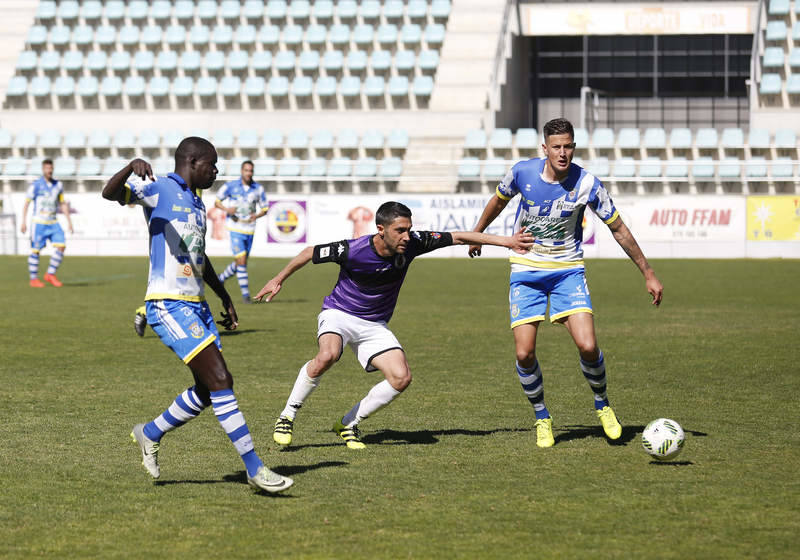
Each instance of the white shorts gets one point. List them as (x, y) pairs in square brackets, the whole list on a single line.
[(367, 338)]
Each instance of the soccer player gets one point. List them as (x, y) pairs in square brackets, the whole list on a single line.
[(47, 194), (176, 306), (248, 203), (356, 313), (554, 194)]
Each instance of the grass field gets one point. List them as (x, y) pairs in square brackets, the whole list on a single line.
[(452, 469)]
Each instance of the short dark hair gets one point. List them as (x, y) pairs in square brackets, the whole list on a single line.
[(245, 162), (558, 126), (390, 211), (193, 147), (47, 161)]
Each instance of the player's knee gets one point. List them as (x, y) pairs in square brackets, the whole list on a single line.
[(326, 358), (588, 349), (526, 357), (400, 381)]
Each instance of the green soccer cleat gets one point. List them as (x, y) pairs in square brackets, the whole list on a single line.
[(269, 481), (609, 421), (544, 432), (350, 435), (283, 431), (149, 450)]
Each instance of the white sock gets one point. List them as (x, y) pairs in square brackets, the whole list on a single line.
[(303, 387), (378, 397)]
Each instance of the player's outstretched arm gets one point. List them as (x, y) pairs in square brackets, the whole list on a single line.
[(490, 212), (274, 286), (114, 187), (24, 226), (66, 210), (230, 320), (520, 242), (625, 238)]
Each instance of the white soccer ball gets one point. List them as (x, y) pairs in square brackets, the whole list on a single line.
[(663, 439)]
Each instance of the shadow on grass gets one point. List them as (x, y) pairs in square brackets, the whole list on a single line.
[(237, 332), (628, 433), (279, 301), (672, 463), (95, 281)]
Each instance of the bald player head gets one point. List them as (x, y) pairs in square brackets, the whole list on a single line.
[(195, 162)]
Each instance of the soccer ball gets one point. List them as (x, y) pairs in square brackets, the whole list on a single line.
[(663, 439)]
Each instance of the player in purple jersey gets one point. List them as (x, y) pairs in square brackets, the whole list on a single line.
[(554, 194), (372, 270)]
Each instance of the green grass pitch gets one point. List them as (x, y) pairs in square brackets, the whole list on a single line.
[(451, 469)]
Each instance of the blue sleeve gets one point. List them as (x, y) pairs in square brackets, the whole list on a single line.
[(600, 202), (507, 189)]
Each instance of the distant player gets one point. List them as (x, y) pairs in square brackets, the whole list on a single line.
[(554, 194), (176, 306), (356, 313), (47, 194), (247, 203)]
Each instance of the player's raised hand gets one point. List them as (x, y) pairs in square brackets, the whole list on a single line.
[(655, 288), (522, 241), (142, 169), (272, 288), (474, 251)]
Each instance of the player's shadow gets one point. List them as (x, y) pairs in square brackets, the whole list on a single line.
[(237, 332), (583, 432), (672, 463), (240, 477), (279, 301)]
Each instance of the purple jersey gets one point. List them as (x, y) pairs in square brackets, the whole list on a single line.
[(368, 283)]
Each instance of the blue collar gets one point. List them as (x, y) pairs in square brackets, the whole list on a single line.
[(178, 179)]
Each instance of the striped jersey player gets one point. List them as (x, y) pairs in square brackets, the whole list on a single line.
[(554, 195)]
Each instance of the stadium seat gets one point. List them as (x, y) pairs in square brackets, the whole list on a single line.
[(398, 86), (756, 167), (302, 88), (603, 138), (423, 86), (676, 168), (50, 139), (776, 31), (703, 168), (6, 142), (111, 86), (167, 62), (315, 36), (373, 140), (276, 10), (393, 10), (46, 11), (405, 61), (650, 167), (325, 87), (278, 86), (363, 36), (500, 141), (15, 166), (68, 10), (599, 167), (272, 141), (390, 167), (39, 86), (494, 169), (417, 10), (339, 36), (105, 37), (82, 36), (289, 167), (206, 87), (17, 87), (151, 37), (730, 168), (129, 37), (356, 62), (783, 168), (89, 166), (120, 62), (238, 62), (428, 60), (469, 168), (292, 36), (322, 141), (347, 140), (50, 62), (434, 35), (27, 61), (64, 86), (771, 84), (134, 86), (527, 140), (175, 37), (773, 58), (793, 84), (253, 10), (160, 12), (269, 36), (213, 62), (370, 10), (778, 8), (190, 62), (655, 139), (624, 167), (144, 62), (440, 9), (380, 61), (158, 87), (680, 138), (245, 37), (386, 35), (59, 36), (346, 9), (374, 86), (299, 10), (230, 10), (182, 87), (284, 62), (230, 86), (475, 141), (628, 139), (99, 140), (350, 87), (340, 167), (323, 10), (64, 166), (255, 87), (247, 140), (137, 10), (309, 62), (706, 139), (26, 139), (732, 139), (411, 36), (758, 139), (96, 62), (332, 61), (397, 140), (785, 139), (365, 167)]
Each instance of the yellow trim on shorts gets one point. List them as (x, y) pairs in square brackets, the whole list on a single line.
[(536, 319), (613, 217), (235, 230), (557, 316), (200, 347), (37, 251), (62, 245), (546, 264), (240, 254), (150, 297), (501, 195), (44, 222)]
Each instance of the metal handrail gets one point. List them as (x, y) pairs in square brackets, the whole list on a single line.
[(755, 66)]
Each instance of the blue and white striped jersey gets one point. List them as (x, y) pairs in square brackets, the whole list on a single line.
[(553, 212), (176, 219), (46, 197), (246, 199)]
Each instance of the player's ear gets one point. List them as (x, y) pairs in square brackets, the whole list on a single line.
[(380, 229)]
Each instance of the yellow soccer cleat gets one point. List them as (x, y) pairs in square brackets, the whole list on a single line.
[(609, 421), (350, 435), (544, 432), (283, 431)]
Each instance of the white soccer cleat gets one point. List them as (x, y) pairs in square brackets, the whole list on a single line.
[(268, 480), (149, 450)]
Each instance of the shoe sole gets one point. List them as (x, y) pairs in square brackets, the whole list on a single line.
[(285, 485)]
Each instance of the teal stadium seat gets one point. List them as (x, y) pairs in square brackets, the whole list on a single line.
[(370, 10), (253, 10), (332, 61), (323, 10), (206, 86), (494, 169), (238, 62), (469, 168), (269, 36), (350, 86), (322, 140), (776, 31), (276, 10), (261, 62), (339, 36), (778, 8), (111, 86), (732, 138), (46, 11), (356, 62), (206, 10), (527, 140), (363, 36), (15, 166), (213, 62), (50, 62), (793, 84), (628, 139), (440, 9), (603, 138), (245, 37), (96, 62), (254, 86), (158, 86), (373, 140), (190, 62), (105, 36), (794, 58), (500, 139), (247, 140), (423, 86), (365, 167), (428, 60), (144, 62), (785, 139), (26, 140), (475, 139), (37, 37), (398, 86), (374, 86), (397, 139), (417, 10), (112, 165), (783, 168), (411, 35), (315, 36), (99, 139), (27, 62), (284, 61), (387, 36), (137, 10), (72, 62), (151, 37), (91, 10), (182, 87), (6, 142), (680, 139), (68, 10), (59, 36), (325, 86), (278, 86), (756, 167), (292, 36), (340, 167), (346, 9), (175, 37), (309, 62), (230, 86), (391, 167), (64, 86), (50, 139), (89, 166), (347, 139), (581, 138), (183, 10), (380, 61), (299, 10), (223, 138), (134, 86), (624, 168), (230, 10), (120, 62), (82, 36), (393, 10), (730, 168), (706, 138), (771, 84), (199, 37), (316, 167), (599, 167), (703, 168), (64, 166), (272, 140), (129, 37), (302, 87), (39, 86), (405, 61), (167, 62), (289, 167), (655, 139), (758, 139), (650, 167), (160, 12), (773, 58), (677, 168), (434, 35)]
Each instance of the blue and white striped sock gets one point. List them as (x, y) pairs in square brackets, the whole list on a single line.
[(533, 385), (33, 265), (244, 283), (228, 272), (55, 261), (595, 374), (232, 420), (186, 406)]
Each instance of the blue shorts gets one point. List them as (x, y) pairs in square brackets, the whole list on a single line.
[(529, 292), (241, 243), (44, 232), (185, 326)]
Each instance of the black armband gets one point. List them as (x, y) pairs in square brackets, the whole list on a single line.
[(331, 252)]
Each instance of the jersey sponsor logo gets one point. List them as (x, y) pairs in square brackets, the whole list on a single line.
[(514, 311), (196, 330), (187, 270)]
